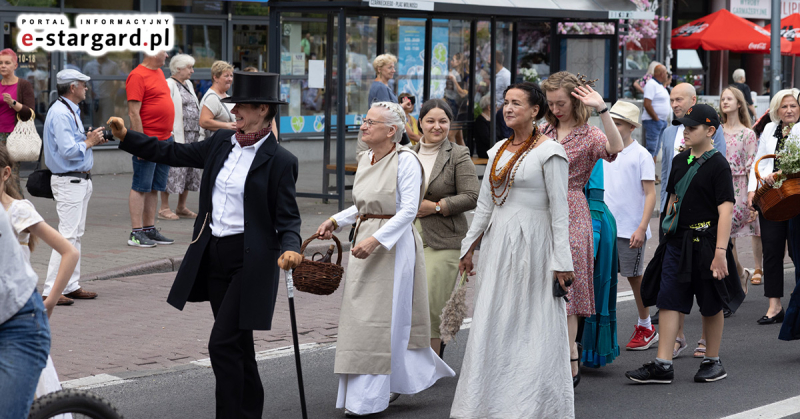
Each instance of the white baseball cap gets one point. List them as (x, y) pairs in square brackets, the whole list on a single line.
[(69, 75)]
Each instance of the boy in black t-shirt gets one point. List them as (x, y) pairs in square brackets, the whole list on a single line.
[(696, 257)]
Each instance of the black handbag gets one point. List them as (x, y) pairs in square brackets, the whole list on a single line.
[(39, 181)]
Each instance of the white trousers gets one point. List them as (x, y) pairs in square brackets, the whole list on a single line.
[(72, 200)]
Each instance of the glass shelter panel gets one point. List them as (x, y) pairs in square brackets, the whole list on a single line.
[(405, 38), (203, 42), (533, 51), (250, 46)]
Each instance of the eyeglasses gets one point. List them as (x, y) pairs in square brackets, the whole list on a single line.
[(370, 122)]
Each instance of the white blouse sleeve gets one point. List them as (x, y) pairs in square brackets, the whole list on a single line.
[(409, 180), (348, 216), (556, 174), (752, 184), (23, 215)]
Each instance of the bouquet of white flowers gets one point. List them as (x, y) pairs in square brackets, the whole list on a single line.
[(530, 75)]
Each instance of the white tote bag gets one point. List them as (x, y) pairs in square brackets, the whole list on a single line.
[(24, 143)]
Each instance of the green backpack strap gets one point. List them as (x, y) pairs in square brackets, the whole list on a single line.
[(670, 223)]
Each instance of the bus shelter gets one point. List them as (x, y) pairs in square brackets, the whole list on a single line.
[(463, 51)]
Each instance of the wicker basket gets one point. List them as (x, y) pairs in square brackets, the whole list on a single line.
[(321, 278), (778, 204)]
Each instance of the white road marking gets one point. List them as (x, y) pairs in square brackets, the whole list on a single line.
[(624, 296), (93, 381), (775, 410), (277, 352)]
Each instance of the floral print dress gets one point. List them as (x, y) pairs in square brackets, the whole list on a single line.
[(585, 145), (741, 147)]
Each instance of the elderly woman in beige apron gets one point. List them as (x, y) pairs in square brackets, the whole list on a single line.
[(383, 349)]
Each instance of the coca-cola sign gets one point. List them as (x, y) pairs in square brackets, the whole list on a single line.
[(689, 30), (760, 46)]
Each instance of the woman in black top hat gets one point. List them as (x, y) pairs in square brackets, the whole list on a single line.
[(248, 182)]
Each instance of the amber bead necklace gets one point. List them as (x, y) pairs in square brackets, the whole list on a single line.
[(505, 178)]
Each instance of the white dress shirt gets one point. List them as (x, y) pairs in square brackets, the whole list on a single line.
[(227, 197), (678, 142)]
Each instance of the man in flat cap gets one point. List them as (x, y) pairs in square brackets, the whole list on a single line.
[(68, 154)]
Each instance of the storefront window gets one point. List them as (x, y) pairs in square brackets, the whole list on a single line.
[(106, 96), (250, 8), (203, 42), (450, 71), (533, 51), (35, 68), (209, 7), (102, 4), (28, 3), (250, 46)]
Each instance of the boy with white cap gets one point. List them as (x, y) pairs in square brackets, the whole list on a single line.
[(631, 196)]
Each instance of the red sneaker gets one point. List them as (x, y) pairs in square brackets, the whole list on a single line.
[(642, 338)]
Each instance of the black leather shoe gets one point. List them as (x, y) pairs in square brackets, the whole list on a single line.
[(654, 318), (778, 318)]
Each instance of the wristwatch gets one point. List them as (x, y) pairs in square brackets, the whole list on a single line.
[(438, 208), (14, 103)]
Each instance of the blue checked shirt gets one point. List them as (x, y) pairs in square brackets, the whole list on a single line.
[(64, 140)]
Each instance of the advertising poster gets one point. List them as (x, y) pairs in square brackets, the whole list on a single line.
[(411, 58)]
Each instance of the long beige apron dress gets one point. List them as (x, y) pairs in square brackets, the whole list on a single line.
[(381, 350)]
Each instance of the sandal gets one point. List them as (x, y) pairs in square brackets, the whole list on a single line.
[(698, 351), (682, 345), (756, 278), (746, 280), (186, 213), (167, 214)]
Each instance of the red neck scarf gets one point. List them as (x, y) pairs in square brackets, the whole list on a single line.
[(246, 140)]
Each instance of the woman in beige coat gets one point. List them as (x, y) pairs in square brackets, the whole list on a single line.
[(383, 349), (453, 189)]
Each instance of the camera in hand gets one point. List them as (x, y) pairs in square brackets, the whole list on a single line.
[(106, 133)]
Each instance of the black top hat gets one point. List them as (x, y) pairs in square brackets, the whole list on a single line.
[(250, 87)]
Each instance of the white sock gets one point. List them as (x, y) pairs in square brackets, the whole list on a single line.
[(645, 323)]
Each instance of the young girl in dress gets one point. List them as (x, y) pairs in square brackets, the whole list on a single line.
[(741, 145), (569, 104), (29, 225)]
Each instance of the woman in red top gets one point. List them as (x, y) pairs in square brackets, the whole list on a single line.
[(569, 101), (18, 99)]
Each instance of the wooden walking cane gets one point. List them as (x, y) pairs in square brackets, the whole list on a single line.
[(290, 292)]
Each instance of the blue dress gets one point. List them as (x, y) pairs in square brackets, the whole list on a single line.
[(599, 340)]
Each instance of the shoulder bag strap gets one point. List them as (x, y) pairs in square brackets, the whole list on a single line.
[(230, 117)]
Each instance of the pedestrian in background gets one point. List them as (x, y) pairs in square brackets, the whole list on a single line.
[(630, 193), (69, 155), (641, 83), (412, 125), (384, 66), (741, 145), (739, 83), (28, 225), (151, 111), (24, 328), (451, 190), (18, 100), (656, 106), (483, 127), (234, 258), (383, 348), (516, 364), (215, 115), (784, 112), (569, 101), (185, 130)]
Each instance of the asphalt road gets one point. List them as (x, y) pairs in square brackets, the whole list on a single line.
[(761, 370)]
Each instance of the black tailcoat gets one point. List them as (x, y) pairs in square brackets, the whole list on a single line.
[(271, 218)]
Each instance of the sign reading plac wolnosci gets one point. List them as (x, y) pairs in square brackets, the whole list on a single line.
[(96, 34), (402, 4)]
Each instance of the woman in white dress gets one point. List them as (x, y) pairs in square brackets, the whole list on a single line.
[(517, 360), (29, 225), (383, 348)]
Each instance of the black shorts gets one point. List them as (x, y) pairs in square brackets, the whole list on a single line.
[(677, 296)]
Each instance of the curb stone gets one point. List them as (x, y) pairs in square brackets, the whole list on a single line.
[(172, 265)]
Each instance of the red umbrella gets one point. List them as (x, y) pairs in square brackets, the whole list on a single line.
[(724, 31), (790, 29)]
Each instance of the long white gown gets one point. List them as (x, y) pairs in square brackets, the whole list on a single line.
[(517, 360), (413, 370)]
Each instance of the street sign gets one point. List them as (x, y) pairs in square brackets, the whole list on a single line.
[(402, 4), (633, 15)]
